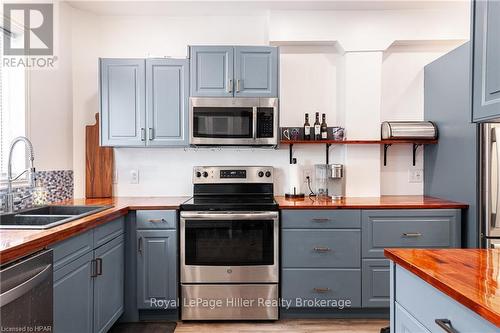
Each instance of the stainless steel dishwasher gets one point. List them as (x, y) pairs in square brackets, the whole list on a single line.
[(26, 294)]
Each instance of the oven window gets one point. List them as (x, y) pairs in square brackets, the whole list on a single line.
[(229, 243), (217, 122)]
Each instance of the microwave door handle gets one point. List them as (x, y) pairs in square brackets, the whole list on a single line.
[(254, 123), (495, 223)]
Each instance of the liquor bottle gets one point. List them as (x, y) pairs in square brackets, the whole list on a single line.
[(324, 128), (317, 128), (307, 128)]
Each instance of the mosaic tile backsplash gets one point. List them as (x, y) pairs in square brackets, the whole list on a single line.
[(58, 185)]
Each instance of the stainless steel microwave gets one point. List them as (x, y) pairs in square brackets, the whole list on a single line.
[(233, 121)]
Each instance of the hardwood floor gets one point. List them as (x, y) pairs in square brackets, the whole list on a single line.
[(287, 326)]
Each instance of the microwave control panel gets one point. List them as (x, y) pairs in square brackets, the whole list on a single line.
[(265, 123)]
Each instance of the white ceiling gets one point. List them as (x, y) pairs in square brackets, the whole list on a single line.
[(255, 7)]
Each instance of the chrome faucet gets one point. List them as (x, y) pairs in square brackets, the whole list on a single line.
[(9, 199)]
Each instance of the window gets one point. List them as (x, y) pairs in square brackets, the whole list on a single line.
[(13, 92)]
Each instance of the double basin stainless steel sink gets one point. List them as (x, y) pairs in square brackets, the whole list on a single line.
[(46, 217)]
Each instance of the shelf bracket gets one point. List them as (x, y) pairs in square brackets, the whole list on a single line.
[(386, 146), (328, 145), (415, 147), (290, 147)]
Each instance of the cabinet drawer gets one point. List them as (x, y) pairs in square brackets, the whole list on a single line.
[(406, 323), (156, 219), (321, 248), (321, 219), (108, 231), (321, 284), (438, 228), (375, 279), (72, 249), (427, 304)]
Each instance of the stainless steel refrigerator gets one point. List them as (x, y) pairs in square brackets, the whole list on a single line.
[(464, 165)]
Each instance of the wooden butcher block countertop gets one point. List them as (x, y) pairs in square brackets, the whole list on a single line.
[(16, 243), (382, 202), (469, 276)]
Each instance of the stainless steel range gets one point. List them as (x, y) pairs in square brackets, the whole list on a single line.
[(229, 245)]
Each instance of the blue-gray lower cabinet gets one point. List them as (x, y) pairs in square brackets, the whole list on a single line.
[(156, 268), (406, 323), (73, 296), (109, 284), (89, 280), (375, 283)]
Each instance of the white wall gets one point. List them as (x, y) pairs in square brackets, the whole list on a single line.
[(168, 171), (51, 103)]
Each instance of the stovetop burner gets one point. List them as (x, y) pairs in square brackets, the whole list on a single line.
[(232, 188)]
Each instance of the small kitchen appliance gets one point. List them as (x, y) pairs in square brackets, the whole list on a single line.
[(336, 181), (229, 243)]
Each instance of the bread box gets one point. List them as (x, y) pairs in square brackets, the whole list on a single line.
[(404, 130)]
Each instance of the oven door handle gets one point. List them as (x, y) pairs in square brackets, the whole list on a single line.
[(229, 215)]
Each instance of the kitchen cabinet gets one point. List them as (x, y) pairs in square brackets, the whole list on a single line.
[(167, 89), (89, 280), (73, 296), (156, 281), (239, 71), (144, 102), (486, 60), (109, 284), (156, 239), (425, 304), (375, 283), (122, 97)]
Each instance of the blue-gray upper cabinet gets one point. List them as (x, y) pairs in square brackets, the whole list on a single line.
[(109, 284), (212, 71), (167, 89), (486, 41), (256, 71), (156, 268), (122, 102)]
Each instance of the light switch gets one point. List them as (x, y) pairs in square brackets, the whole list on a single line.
[(415, 176)]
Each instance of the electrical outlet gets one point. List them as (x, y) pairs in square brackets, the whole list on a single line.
[(415, 176), (134, 176), (306, 172)]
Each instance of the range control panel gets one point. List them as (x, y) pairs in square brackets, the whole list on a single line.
[(232, 174)]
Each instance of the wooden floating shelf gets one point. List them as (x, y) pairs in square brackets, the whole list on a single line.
[(358, 142), (387, 143)]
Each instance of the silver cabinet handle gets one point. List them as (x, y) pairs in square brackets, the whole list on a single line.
[(230, 86), (150, 133), (143, 134), (23, 288), (321, 220), (322, 249), (139, 245), (322, 290), (496, 217), (445, 324), (411, 234), (238, 85), (157, 220)]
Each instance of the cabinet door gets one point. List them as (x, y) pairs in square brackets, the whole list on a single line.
[(73, 296), (109, 284), (167, 87), (122, 97), (156, 267), (375, 283), (486, 98), (406, 323), (256, 71), (212, 71)]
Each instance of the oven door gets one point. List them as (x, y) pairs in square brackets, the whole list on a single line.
[(234, 247), (233, 121)]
